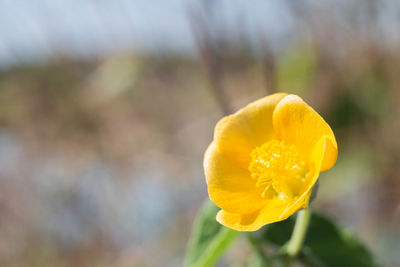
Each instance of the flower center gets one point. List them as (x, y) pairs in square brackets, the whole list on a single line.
[(278, 169)]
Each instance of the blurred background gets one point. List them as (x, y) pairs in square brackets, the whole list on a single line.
[(106, 109)]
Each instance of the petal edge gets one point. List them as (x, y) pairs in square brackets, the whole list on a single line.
[(299, 124)]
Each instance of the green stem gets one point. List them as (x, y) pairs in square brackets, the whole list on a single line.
[(256, 244), (299, 233)]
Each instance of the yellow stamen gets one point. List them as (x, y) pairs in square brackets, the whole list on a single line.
[(278, 169)]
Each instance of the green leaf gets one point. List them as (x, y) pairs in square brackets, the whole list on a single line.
[(326, 243), (209, 239)]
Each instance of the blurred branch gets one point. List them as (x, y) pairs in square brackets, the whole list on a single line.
[(208, 53), (269, 66)]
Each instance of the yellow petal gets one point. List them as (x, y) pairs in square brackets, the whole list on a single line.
[(276, 210), (297, 123), (236, 135), (230, 187), (251, 221), (317, 156)]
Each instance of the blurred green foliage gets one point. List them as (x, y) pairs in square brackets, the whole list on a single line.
[(209, 239), (296, 68), (326, 243)]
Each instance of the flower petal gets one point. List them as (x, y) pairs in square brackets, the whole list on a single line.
[(237, 134), (317, 157), (252, 221), (230, 187), (297, 123), (276, 210)]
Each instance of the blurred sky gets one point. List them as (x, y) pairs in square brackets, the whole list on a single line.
[(36, 29)]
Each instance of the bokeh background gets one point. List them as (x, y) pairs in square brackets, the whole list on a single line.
[(106, 109)]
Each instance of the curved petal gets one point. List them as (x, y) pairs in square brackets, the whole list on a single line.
[(237, 134), (277, 210), (252, 221), (317, 156), (229, 186), (297, 123)]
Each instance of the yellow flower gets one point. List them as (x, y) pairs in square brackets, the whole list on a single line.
[(265, 159)]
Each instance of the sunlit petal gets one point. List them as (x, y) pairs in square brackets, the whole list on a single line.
[(297, 123), (229, 186), (236, 135)]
